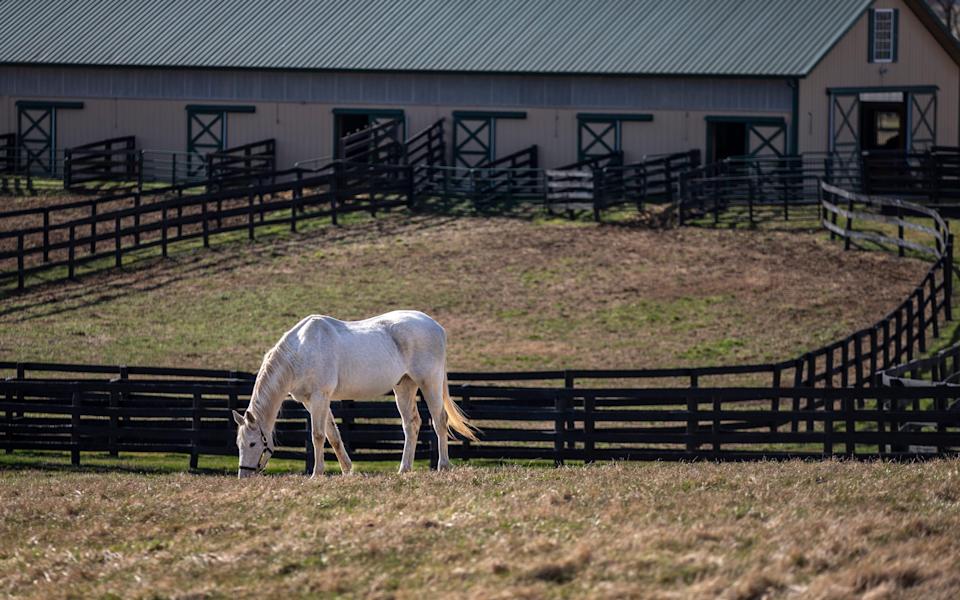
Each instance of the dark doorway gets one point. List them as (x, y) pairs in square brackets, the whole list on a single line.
[(350, 123), (883, 126), (727, 139)]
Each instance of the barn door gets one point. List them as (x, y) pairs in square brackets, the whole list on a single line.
[(735, 136), (597, 137), (206, 133), (844, 119), (766, 138), (475, 136), (350, 123), (922, 118), (473, 141), (36, 130)]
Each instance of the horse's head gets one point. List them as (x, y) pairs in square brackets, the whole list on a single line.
[(254, 445)]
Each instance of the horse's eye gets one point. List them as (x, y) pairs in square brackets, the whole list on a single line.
[(252, 444)]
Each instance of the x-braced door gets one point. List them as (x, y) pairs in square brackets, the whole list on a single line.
[(206, 133), (597, 137), (922, 119), (36, 130), (473, 141), (766, 138), (844, 125)]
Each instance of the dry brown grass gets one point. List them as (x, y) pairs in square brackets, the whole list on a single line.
[(806, 530)]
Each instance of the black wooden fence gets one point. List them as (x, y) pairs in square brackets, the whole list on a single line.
[(559, 424), (62, 239), (112, 160), (241, 162), (786, 182)]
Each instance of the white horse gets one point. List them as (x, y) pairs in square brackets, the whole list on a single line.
[(323, 359)]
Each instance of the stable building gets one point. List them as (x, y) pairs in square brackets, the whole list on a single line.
[(577, 78)]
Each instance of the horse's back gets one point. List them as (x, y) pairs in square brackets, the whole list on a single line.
[(374, 352)]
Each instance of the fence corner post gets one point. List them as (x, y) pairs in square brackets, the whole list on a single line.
[(948, 279)]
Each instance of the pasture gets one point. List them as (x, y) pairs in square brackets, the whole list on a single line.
[(766, 530), (513, 293)]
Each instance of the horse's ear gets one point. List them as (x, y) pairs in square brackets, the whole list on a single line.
[(238, 417), (251, 420)]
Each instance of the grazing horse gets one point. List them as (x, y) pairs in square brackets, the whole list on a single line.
[(323, 359)]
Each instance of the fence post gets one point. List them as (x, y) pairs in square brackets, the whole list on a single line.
[(21, 274), (163, 230), (71, 253), (849, 225), (900, 248), (828, 426), (46, 234), (75, 427), (206, 224), (932, 301), (775, 400), (112, 438), (116, 242), (250, 211), (173, 171), (812, 383), (297, 194), (589, 406), (559, 426), (693, 423), (67, 168), (597, 193), (715, 428), (93, 227), (921, 320), (334, 190), (411, 189), (850, 427), (138, 164), (195, 433), (948, 279)]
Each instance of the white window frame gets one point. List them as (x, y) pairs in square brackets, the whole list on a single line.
[(876, 34)]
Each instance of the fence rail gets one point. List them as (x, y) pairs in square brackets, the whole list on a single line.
[(556, 424), (129, 224), (249, 160), (112, 160), (790, 181)]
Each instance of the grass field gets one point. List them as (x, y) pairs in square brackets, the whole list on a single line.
[(513, 293), (812, 530)]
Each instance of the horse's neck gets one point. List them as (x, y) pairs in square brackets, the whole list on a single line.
[(270, 390)]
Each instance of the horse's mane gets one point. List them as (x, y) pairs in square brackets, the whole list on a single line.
[(269, 389)]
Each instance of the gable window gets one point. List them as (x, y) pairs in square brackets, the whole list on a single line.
[(883, 35)]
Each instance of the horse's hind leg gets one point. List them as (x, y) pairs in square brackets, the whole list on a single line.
[(333, 434), (433, 394), (406, 393)]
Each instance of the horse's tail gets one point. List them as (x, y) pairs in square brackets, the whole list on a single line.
[(455, 417)]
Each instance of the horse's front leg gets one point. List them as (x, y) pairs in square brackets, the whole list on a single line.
[(333, 434), (319, 408)]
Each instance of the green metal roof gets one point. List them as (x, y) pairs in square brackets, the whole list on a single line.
[(649, 37)]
